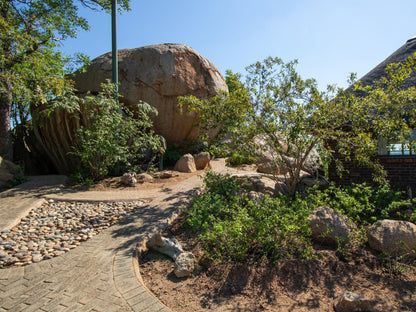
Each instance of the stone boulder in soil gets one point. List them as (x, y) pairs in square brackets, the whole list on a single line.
[(350, 301), (185, 164), (329, 227), (155, 74), (202, 160), (392, 236)]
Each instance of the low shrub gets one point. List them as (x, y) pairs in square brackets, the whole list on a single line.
[(233, 227)]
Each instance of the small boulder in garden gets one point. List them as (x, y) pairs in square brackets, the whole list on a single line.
[(129, 179), (202, 160), (350, 301), (167, 246), (186, 164), (329, 227), (144, 177), (393, 237), (184, 265)]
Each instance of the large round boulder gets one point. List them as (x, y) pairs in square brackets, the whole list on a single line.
[(157, 75)]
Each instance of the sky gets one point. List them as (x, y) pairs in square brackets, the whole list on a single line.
[(329, 38)]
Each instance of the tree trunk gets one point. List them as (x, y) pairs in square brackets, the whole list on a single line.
[(6, 143)]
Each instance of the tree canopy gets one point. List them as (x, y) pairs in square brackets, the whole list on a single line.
[(31, 69), (277, 112)]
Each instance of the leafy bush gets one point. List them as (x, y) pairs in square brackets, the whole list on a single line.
[(115, 136), (233, 227), (362, 203)]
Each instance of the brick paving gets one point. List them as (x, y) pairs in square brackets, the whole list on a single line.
[(100, 275)]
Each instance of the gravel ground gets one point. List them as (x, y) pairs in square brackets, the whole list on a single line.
[(56, 228)]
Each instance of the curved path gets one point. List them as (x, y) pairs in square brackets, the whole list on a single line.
[(102, 273)]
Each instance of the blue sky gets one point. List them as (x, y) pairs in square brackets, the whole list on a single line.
[(329, 38)]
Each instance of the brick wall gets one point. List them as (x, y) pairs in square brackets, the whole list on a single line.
[(401, 172)]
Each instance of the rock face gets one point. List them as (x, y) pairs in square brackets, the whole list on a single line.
[(328, 226), (393, 237), (185, 164), (158, 74)]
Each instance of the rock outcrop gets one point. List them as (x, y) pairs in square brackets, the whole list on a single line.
[(157, 75)]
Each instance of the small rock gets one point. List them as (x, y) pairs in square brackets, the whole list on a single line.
[(170, 247), (328, 226), (144, 177), (350, 301), (185, 164), (184, 265), (202, 160), (129, 179), (36, 258)]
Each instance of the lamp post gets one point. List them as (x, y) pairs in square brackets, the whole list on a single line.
[(114, 46)]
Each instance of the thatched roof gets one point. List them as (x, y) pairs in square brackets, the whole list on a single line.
[(406, 50)]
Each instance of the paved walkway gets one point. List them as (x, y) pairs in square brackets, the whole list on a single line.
[(100, 275)]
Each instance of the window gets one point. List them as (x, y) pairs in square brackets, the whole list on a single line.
[(397, 149)]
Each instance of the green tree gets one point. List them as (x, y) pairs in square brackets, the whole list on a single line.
[(31, 70), (291, 118)]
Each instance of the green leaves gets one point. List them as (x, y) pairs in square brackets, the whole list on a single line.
[(114, 135)]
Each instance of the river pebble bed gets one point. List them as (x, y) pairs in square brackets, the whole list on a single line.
[(57, 227)]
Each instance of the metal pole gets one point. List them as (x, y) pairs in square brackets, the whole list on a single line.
[(114, 46), (115, 60)]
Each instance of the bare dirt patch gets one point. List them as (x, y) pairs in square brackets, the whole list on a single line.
[(291, 285), (113, 183)]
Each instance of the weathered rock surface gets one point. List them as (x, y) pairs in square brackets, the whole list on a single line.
[(129, 179), (144, 177), (157, 75), (393, 237), (167, 246), (185, 164), (350, 301), (329, 227), (7, 171), (184, 265), (202, 160)]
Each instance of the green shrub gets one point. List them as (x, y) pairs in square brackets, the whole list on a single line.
[(115, 136), (362, 203), (232, 227)]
